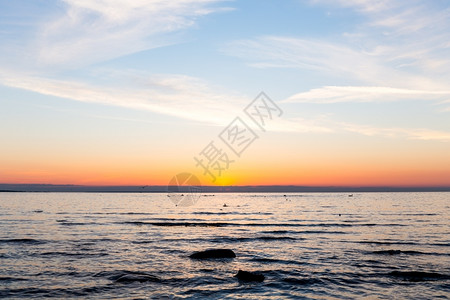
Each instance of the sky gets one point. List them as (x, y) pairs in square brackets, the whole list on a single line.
[(97, 92)]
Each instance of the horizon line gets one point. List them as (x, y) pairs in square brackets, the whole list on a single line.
[(42, 187)]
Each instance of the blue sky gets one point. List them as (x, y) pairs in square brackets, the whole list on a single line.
[(75, 70)]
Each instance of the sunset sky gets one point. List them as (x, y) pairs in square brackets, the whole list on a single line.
[(112, 92)]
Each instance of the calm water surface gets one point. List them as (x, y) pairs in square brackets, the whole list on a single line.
[(308, 246)]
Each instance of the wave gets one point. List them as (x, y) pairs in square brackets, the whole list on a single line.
[(124, 213), (220, 240), (418, 214), (387, 242), (418, 275), (401, 243), (406, 252), (409, 214), (11, 279), (125, 276), (252, 239), (22, 241), (306, 232), (79, 254), (231, 213), (58, 293), (69, 223), (144, 242), (27, 292), (303, 281), (232, 224), (75, 223), (441, 244), (275, 261)]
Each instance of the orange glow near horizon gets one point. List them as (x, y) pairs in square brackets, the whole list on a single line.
[(285, 162), (306, 176)]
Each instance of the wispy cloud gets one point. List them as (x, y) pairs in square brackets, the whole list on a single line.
[(320, 56), (175, 95), (193, 99), (404, 44), (409, 133), (81, 33), (399, 52), (185, 97), (362, 66), (338, 94), (366, 6), (89, 31)]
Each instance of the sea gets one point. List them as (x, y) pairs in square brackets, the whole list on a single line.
[(307, 246)]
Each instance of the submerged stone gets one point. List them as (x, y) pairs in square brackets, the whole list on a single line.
[(249, 276), (213, 253)]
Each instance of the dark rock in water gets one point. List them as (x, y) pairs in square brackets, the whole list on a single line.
[(249, 276), (213, 253)]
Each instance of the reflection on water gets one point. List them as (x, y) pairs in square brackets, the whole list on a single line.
[(309, 245)]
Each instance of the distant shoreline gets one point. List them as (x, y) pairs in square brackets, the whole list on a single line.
[(49, 188)]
